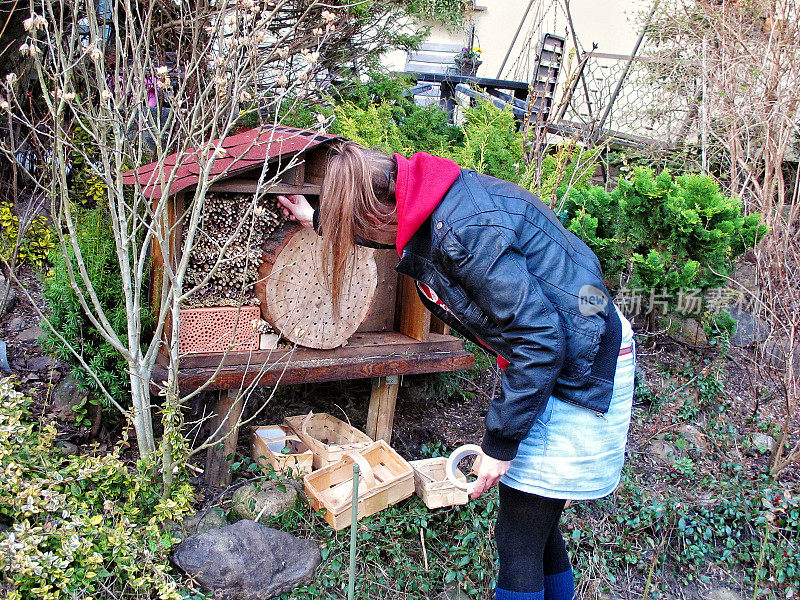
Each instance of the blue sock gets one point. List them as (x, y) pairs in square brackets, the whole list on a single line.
[(560, 586), (501, 594)]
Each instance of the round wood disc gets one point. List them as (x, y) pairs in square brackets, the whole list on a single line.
[(296, 299)]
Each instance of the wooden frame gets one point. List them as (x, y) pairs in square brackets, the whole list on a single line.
[(399, 336), (386, 478), (328, 438), (433, 486), (267, 443)]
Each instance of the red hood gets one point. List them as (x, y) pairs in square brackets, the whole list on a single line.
[(422, 182)]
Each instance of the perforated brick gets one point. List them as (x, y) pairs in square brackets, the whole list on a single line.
[(218, 329)]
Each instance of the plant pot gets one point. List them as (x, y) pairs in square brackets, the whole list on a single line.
[(468, 66)]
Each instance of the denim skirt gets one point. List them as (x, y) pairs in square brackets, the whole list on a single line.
[(573, 453)]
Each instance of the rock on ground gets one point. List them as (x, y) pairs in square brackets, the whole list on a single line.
[(247, 561), (66, 396), (763, 442), (31, 334), (723, 593), (694, 436), (10, 295), (663, 451), (693, 332), (203, 521), (265, 499), (749, 328)]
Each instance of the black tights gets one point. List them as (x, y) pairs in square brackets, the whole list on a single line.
[(529, 542)]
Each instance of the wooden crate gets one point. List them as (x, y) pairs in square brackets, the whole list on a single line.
[(386, 478), (268, 444), (327, 437), (433, 486)]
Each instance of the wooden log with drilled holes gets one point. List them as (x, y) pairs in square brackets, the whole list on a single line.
[(295, 298)]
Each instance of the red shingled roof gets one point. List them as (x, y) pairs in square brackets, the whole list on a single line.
[(243, 151)]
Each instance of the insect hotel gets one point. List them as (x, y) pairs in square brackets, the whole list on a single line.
[(261, 314)]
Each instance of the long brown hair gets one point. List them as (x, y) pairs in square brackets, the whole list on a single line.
[(357, 197)]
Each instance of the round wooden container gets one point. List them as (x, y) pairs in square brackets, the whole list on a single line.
[(294, 294)]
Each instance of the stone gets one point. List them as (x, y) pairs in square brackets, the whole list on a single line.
[(203, 521), (694, 436), (67, 448), (10, 297), (693, 332), (31, 334), (749, 328), (66, 396), (15, 324), (4, 366), (40, 363), (453, 593), (722, 593), (266, 499), (247, 561), (663, 451), (763, 442)]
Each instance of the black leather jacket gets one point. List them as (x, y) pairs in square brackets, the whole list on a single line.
[(531, 291)]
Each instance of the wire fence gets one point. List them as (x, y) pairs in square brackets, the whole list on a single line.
[(648, 107)]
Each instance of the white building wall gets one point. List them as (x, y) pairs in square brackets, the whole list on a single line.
[(612, 24)]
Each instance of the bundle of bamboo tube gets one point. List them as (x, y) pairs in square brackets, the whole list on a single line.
[(229, 239)]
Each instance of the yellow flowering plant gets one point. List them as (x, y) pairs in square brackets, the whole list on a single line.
[(36, 242), (80, 526)]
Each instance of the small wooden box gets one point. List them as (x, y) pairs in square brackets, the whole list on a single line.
[(327, 437), (433, 486), (268, 445), (386, 478)]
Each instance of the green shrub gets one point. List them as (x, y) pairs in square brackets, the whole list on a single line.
[(690, 219), (675, 232), (96, 243), (86, 189), (38, 240), (593, 215), (492, 144), (373, 126), (81, 526)]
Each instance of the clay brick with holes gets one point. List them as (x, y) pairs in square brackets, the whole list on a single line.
[(218, 329)]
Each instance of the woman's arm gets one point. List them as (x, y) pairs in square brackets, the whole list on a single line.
[(297, 208)]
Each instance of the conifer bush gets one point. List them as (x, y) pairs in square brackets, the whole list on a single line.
[(67, 316), (668, 232)]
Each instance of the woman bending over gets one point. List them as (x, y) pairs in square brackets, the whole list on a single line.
[(493, 262)]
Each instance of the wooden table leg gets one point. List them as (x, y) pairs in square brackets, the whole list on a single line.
[(381, 407), (227, 414)]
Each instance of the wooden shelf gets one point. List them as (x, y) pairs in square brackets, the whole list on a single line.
[(377, 354)]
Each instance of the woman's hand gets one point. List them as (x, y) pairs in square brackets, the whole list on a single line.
[(297, 208), (490, 470)]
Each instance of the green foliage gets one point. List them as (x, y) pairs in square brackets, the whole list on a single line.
[(676, 232), (427, 130), (98, 249), (373, 126), (593, 215), (661, 531), (459, 546), (449, 13), (569, 167), (82, 526), (86, 189), (380, 88), (719, 329), (492, 144), (36, 243)]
